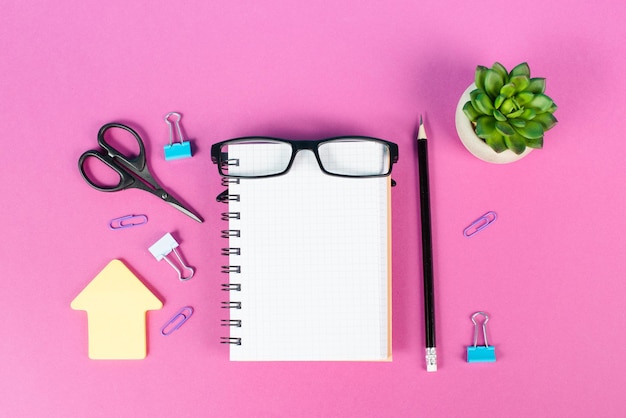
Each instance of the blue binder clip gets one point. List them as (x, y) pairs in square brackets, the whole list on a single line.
[(475, 353), (176, 150)]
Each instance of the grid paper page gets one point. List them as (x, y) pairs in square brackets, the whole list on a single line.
[(314, 266)]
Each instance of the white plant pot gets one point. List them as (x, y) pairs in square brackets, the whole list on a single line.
[(473, 143)]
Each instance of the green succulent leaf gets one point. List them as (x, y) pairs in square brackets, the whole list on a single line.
[(532, 130), (504, 128), (553, 108), (535, 142), (508, 90), (479, 77), (515, 114), (508, 106), (520, 69), (485, 127), (541, 103), (471, 113), (521, 82), (493, 83), (498, 115), (524, 97), (498, 101), (517, 123), (499, 68), (496, 142), (528, 114), (515, 143), (547, 120), (537, 85), (483, 104)]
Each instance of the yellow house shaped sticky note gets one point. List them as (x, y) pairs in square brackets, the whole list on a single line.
[(116, 302)]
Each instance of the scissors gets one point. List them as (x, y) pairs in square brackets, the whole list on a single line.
[(133, 172)]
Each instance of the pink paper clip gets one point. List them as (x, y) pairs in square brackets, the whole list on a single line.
[(177, 320), (127, 221), (480, 224)]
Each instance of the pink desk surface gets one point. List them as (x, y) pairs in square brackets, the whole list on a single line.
[(551, 271)]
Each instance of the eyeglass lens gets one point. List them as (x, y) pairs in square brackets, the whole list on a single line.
[(251, 158), (354, 157)]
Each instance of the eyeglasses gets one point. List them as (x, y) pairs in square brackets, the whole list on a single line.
[(346, 156)]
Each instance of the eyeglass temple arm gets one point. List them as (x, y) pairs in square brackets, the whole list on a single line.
[(215, 153)]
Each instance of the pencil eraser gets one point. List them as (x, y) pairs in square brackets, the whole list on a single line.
[(431, 359)]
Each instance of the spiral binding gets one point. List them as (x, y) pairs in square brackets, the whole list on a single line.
[(229, 180), (231, 323), (231, 161), (231, 269), (231, 215), (227, 233), (226, 197), (231, 340), (231, 251)]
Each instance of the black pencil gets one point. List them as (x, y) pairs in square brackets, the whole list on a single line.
[(427, 250)]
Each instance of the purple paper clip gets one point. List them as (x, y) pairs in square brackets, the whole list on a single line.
[(480, 224), (128, 221), (177, 320)]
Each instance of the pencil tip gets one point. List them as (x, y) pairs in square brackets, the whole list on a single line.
[(421, 133)]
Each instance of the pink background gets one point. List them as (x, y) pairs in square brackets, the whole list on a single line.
[(550, 271)]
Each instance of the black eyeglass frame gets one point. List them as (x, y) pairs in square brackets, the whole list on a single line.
[(297, 145)]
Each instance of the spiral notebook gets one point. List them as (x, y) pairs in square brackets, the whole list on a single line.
[(309, 266)]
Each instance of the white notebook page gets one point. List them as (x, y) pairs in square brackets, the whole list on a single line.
[(315, 268)]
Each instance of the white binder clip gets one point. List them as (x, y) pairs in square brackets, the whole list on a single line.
[(163, 247)]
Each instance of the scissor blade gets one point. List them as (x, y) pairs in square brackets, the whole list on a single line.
[(166, 197), (186, 211)]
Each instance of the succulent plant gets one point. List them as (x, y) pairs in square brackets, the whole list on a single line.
[(509, 110)]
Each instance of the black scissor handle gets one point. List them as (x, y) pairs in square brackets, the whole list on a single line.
[(136, 164), (125, 182)]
